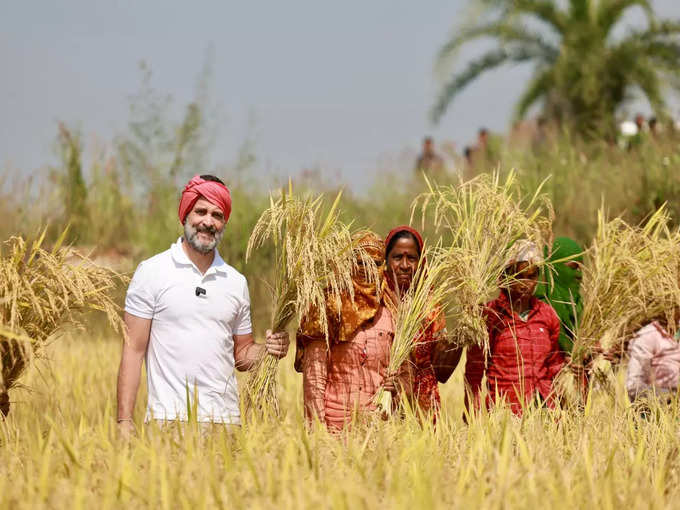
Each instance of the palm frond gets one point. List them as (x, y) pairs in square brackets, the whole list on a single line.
[(505, 32), (580, 10), (476, 68), (611, 12), (538, 88), (649, 82), (542, 10)]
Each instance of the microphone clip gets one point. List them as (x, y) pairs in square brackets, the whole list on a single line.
[(199, 291)]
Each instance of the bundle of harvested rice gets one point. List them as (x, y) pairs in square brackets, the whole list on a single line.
[(481, 219), (418, 308), (40, 291), (630, 277), (314, 260)]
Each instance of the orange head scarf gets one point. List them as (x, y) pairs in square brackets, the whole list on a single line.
[(399, 230), (344, 322)]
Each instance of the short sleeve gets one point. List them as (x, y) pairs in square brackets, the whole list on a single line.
[(140, 300), (242, 322)]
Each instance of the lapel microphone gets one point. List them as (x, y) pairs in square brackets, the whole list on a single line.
[(199, 291)]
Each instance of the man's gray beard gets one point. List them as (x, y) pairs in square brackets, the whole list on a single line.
[(191, 235)]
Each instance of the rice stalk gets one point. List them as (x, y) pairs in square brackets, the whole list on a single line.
[(40, 291), (630, 278), (421, 305), (314, 257), (480, 220)]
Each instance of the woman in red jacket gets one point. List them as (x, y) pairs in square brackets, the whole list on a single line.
[(524, 354)]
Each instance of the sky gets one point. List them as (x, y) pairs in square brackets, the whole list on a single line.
[(344, 87)]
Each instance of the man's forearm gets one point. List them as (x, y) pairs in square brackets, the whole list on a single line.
[(129, 375), (247, 355)]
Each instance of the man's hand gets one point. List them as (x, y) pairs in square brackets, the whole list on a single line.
[(277, 343)]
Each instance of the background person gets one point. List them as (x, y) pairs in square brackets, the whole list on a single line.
[(562, 288), (429, 161), (187, 313), (654, 365)]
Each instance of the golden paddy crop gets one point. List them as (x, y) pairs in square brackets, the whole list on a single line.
[(40, 291), (60, 449), (314, 258)]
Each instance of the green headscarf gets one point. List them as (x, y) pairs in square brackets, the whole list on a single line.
[(563, 292)]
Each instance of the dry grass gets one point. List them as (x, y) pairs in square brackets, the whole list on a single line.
[(40, 291), (59, 449), (480, 219), (314, 260), (631, 276)]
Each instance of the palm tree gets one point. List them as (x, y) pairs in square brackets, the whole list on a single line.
[(584, 69)]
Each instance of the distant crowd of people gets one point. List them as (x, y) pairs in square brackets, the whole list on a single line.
[(486, 150)]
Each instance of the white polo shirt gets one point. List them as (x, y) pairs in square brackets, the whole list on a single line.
[(191, 343)]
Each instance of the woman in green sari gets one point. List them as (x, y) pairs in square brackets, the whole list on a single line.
[(561, 289)]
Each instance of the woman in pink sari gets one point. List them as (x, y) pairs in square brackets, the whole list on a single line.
[(654, 366), (342, 376)]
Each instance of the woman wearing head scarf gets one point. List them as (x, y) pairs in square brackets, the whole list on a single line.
[(342, 376), (524, 355), (561, 289), (654, 366), (431, 360)]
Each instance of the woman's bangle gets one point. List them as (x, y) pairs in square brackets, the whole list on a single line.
[(120, 420)]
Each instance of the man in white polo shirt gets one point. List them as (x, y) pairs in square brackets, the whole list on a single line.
[(188, 313)]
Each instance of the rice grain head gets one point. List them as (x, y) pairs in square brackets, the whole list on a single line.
[(315, 256), (480, 220), (40, 291), (630, 278)]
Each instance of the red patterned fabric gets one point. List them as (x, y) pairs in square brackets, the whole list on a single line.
[(524, 356), (410, 230), (212, 191), (425, 386)]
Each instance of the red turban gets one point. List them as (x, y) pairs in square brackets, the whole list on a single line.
[(214, 192)]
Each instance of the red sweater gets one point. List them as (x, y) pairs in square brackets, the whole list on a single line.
[(524, 356)]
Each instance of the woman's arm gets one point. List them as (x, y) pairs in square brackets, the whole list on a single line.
[(314, 377), (445, 359), (404, 379)]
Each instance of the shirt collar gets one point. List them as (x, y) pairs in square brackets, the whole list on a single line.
[(506, 306), (180, 257)]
